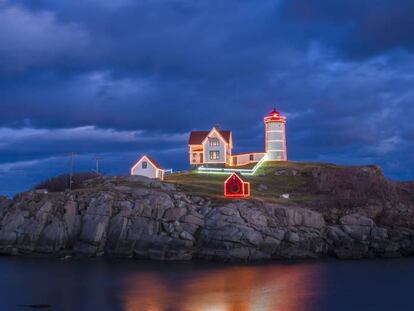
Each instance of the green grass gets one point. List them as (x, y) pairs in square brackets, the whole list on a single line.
[(199, 183), (297, 186)]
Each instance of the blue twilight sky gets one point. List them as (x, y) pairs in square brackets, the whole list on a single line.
[(116, 79)]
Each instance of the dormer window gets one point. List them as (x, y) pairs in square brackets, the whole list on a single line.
[(214, 141), (144, 164)]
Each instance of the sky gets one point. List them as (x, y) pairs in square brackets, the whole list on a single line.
[(118, 79)]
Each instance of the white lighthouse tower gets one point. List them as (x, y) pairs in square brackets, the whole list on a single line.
[(275, 144)]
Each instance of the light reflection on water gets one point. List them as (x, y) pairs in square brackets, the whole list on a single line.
[(377, 285), (240, 288)]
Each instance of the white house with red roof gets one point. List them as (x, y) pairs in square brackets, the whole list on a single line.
[(147, 166), (210, 147), (214, 148)]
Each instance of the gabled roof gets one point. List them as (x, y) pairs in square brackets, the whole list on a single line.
[(149, 159), (237, 174), (197, 137), (155, 163)]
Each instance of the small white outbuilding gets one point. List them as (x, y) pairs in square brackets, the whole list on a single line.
[(147, 166)]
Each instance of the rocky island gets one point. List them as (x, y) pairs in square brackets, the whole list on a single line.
[(330, 211)]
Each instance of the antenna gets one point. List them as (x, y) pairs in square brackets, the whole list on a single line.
[(97, 159), (71, 164)]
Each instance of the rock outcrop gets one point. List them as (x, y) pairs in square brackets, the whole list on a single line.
[(142, 218)]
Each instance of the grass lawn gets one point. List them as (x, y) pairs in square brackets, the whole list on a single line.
[(297, 186)]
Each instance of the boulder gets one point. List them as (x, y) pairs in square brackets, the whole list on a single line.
[(292, 237), (270, 244), (239, 253), (252, 236), (262, 187), (357, 232), (254, 217), (53, 237), (4, 201), (123, 189), (173, 214), (336, 234), (139, 179), (193, 220), (41, 191), (356, 220), (286, 172), (186, 236), (302, 217), (96, 220), (71, 219)]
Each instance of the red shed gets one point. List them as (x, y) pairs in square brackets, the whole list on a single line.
[(235, 187)]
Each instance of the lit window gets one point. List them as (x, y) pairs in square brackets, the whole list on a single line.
[(214, 155), (144, 164), (214, 141)]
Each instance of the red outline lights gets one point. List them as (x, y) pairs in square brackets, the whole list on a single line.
[(235, 187), (274, 116)]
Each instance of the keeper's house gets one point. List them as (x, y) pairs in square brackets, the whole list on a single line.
[(147, 166), (214, 148)]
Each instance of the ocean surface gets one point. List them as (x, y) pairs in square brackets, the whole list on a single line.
[(53, 284)]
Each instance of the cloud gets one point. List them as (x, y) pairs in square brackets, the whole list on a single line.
[(13, 166), (37, 38), (26, 144), (386, 146), (360, 29), (88, 133)]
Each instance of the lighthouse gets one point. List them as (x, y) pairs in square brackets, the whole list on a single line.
[(275, 144)]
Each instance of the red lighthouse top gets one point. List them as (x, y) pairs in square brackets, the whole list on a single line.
[(274, 116)]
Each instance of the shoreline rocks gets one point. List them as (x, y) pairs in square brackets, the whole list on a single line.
[(141, 218)]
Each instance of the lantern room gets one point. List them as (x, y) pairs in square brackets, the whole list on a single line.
[(236, 187), (274, 116)]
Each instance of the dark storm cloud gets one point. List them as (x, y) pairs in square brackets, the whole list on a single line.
[(360, 28), (122, 78)]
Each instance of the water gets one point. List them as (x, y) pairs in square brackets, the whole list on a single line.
[(150, 286)]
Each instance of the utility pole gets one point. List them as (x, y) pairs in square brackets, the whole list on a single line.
[(71, 164), (97, 165)]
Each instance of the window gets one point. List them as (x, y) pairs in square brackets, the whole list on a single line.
[(214, 155), (251, 157), (144, 164), (214, 141)]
